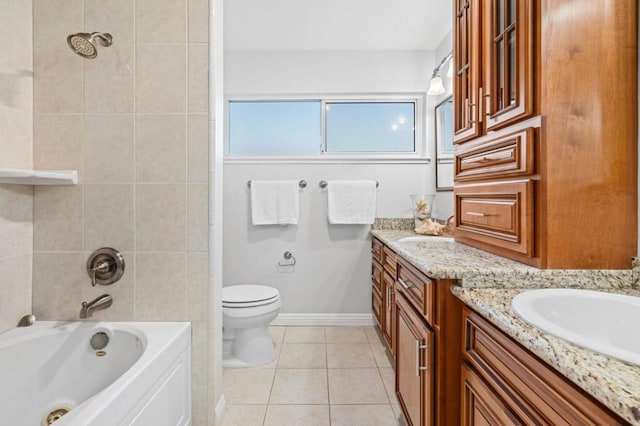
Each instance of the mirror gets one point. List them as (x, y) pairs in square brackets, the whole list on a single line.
[(444, 145)]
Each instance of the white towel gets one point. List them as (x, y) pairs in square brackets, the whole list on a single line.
[(351, 201), (274, 202)]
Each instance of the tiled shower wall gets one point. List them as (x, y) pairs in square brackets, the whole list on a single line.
[(16, 138), (134, 123)]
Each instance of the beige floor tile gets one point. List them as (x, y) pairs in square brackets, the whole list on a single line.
[(297, 415), (299, 386), (304, 335), (389, 382), (349, 355), (397, 413), (277, 333), (381, 355), (303, 355), (346, 335), (244, 415), (247, 385), (373, 334), (362, 415), (356, 386)]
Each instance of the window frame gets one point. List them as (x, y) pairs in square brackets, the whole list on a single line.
[(420, 153)]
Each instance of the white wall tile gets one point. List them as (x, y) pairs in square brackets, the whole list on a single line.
[(161, 281), (109, 148), (109, 78), (58, 142), (198, 147), (198, 287), (161, 148), (58, 221), (161, 78), (198, 194), (161, 21), (16, 220), (15, 289), (198, 21), (109, 216), (198, 78), (161, 217)]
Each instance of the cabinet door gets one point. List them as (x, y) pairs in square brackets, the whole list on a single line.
[(480, 405), (387, 318), (509, 29), (414, 365), (466, 80)]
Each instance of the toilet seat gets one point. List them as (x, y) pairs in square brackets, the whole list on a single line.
[(248, 296)]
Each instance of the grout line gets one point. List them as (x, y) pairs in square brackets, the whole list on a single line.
[(135, 155)]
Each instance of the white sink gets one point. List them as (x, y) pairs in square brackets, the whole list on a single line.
[(425, 238), (603, 322)]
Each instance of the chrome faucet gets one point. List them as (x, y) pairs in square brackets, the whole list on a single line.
[(97, 304)]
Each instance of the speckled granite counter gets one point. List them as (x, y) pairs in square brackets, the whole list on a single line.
[(614, 383), (477, 268)]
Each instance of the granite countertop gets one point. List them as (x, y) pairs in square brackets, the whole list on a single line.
[(480, 269), (614, 383), (487, 283)]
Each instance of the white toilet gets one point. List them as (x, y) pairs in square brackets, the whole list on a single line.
[(247, 311)]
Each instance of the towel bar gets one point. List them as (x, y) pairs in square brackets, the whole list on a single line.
[(323, 184), (301, 184)]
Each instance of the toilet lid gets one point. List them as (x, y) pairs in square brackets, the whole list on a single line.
[(248, 295)]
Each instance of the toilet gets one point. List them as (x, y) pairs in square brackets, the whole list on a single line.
[(247, 311)]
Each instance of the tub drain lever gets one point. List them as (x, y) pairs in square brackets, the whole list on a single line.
[(289, 260)]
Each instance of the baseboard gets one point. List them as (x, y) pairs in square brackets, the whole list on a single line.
[(219, 410), (324, 319)]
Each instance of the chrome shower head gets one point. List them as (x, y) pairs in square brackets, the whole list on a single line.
[(84, 43)]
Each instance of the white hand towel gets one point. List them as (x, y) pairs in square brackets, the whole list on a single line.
[(351, 201), (274, 202)]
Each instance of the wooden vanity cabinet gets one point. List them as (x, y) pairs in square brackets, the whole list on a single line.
[(545, 146), (383, 277), (505, 384), (415, 369), (427, 330)]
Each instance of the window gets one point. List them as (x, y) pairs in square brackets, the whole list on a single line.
[(281, 128), (370, 126)]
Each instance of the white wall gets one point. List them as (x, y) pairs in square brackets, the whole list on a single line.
[(333, 261)]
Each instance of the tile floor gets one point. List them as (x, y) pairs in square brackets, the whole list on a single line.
[(339, 376)]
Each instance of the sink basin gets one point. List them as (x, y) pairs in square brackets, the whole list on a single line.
[(603, 322), (425, 238)]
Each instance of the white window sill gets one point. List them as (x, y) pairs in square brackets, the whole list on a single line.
[(329, 159)]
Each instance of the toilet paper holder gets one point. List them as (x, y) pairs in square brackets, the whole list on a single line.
[(289, 260)]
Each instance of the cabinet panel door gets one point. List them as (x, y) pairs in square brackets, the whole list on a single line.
[(480, 405), (466, 79), (414, 365), (387, 305), (508, 41)]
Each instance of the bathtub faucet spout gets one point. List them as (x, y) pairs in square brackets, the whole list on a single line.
[(97, 304)]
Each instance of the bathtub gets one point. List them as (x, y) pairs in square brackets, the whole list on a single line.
[(141, 377)]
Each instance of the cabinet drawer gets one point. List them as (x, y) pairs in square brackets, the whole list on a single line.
[(376, 306), (376, 276), (505, 156), (533, 390), (376, 250), (389, 261), (418, 289), (499, 214)]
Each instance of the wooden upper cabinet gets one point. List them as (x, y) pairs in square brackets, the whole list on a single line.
[(508, 49), (466, 59)]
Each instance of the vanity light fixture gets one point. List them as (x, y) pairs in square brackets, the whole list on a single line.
[(436, 87)]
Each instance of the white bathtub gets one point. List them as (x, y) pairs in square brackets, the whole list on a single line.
[(143, 377)]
